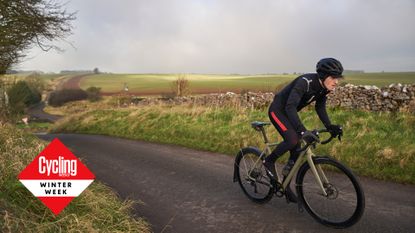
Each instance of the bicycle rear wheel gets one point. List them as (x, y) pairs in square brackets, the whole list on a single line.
[(251, 175), (345, 202)]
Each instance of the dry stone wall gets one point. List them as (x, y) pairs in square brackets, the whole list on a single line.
[(396, 97)]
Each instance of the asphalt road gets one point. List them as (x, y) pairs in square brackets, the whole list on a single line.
[(38, 113), (184, 190)]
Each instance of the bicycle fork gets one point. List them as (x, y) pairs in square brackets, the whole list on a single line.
[(317, 172)]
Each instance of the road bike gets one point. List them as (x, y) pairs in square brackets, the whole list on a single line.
[(327, 189)]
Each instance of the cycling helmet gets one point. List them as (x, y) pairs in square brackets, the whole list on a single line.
[(329, 67)]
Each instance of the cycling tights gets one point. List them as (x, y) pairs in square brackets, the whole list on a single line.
[(291, 138)]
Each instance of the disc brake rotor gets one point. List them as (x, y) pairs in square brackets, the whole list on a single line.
[(331, 190)]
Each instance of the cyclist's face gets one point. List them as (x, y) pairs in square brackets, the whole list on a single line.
[(331, 83)]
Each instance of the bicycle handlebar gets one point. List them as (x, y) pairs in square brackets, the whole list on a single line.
[(317, 131), (328, 140)]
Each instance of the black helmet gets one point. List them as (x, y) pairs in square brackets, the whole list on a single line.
[(329, 67)]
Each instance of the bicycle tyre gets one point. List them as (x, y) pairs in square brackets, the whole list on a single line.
[(345, 204), (241, 171)]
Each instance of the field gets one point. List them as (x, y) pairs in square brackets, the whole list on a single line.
[(50, 76), (150, 84), (381, 79), (48, 80), (161, 83), (20, 76)]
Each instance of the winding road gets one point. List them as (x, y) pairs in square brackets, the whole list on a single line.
[(37, 112), (184, 190)]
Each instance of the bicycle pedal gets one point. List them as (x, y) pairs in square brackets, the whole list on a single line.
[(279, 193)]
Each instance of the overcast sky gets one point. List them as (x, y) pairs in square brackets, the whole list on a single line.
[(234, 36)]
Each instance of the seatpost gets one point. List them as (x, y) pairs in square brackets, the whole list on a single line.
[(265, 136)]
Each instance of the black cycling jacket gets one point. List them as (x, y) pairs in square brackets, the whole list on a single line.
[(299, 93)]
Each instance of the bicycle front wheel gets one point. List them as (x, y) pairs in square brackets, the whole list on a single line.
[(344, 204), (251, 175)]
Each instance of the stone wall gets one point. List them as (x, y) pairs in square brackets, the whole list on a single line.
[(247, 100), (395, 97)]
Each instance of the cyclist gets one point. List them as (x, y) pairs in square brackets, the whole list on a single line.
[(304, 90)]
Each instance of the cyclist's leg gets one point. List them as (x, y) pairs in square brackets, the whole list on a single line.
[(291, 161), (294, 152), (284, 127), (290, 143)]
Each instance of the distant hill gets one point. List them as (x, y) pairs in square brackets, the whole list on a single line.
[(354, 71), (75, 71)]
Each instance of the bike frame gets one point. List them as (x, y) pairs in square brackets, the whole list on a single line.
[(307, 157), (304, 157)]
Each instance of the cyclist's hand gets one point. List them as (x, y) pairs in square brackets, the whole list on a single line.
[(310, 137), (335, 130)]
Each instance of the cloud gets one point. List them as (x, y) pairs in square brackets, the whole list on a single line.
[(232, 36)]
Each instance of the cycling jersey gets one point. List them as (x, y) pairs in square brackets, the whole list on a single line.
[(301, 92)]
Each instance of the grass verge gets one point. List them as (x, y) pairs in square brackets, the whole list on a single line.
[(97, 209), (34, 126), (378, 145)]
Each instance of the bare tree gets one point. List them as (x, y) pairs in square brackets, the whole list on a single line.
[(24, 23), (181, 86)]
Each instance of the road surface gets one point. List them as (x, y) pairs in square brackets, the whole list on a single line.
[(184, 190)]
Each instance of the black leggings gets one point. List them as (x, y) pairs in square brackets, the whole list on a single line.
[(291, 139)]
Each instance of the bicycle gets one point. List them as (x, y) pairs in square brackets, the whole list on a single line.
[(321, 182)]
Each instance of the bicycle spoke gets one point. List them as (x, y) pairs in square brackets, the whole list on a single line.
[(340, 203), (251, 178), (246, 168)]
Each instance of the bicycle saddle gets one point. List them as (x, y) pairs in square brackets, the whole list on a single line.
[(258, 124)]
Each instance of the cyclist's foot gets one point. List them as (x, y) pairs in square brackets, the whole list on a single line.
[(270, 169), (287, 168)]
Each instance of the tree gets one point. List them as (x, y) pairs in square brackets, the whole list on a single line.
[(93, 93), (181, 86), (24, 23), (21, 95), (96, 70)]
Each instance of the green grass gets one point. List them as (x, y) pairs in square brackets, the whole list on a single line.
[(381, 79), (97, 209), (22, 76), (161, 83), (50, 77), (34, 126), (156, 84), (378, 145)]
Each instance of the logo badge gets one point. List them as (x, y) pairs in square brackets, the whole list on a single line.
[(56, 176)]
